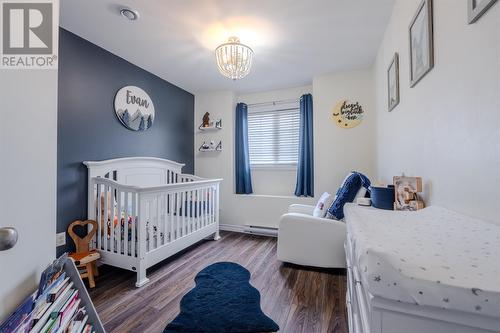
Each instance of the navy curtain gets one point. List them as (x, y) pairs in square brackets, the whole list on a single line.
[(305, 169), (242, 163)]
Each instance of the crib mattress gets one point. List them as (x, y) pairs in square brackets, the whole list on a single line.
[(157, 236), (433, 257)]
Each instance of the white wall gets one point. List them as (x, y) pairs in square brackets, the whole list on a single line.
[(28, 143), (447, 128), (337, 150)]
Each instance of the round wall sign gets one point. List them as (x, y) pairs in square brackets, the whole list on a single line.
[(347, 115), (134, 108)]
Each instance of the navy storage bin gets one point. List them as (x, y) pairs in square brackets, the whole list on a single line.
[(382, 197)]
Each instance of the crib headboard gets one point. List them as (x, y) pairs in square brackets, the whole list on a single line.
[(136, 171)]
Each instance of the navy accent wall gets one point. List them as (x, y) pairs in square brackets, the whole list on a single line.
[(88, 128)]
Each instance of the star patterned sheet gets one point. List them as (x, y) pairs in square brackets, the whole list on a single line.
[(432, 257)]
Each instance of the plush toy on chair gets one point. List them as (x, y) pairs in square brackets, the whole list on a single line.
[(84, 258)]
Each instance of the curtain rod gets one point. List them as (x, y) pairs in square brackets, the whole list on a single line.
[(275, 102)]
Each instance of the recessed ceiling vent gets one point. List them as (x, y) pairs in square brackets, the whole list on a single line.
[(129, 14)]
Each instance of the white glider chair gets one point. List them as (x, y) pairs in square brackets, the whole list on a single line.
[(311, 241)]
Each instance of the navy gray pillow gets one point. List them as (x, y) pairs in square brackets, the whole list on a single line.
[(346, 193)]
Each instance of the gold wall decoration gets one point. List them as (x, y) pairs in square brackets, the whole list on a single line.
[(346, 114)]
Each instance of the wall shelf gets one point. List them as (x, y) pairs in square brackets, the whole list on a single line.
[(209, 128), (214, 126), (206, 147)]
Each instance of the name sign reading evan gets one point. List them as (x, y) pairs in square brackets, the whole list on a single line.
[(134, 108)]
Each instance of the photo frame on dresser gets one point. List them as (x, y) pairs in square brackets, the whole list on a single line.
[(421, 42), (393, 83), (476, 8)]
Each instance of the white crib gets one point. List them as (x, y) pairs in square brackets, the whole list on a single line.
[(147, 210)]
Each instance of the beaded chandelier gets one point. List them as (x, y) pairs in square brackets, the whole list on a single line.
[(234, 59)]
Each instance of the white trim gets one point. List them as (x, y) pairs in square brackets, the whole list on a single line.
[(232, 227), (250, 229), (262, 231)]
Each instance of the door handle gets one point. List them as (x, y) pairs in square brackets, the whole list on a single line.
[(8, 238)]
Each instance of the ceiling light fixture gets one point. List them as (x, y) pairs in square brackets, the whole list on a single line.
[(234, 59), (130, 14)]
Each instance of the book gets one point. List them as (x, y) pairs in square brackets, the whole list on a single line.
[(19, 316), (51, 273), (58, 303), (54, 292), (67, 316)]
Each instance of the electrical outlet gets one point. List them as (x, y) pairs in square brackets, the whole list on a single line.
[(61, 239)]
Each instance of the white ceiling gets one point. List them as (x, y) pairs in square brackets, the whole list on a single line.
[(293, 40)]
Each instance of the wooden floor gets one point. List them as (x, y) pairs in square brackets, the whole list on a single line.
[(298, 299)]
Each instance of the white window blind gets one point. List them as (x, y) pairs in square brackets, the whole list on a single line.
[(273, 134)]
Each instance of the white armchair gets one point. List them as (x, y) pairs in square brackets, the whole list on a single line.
[(311, 241)]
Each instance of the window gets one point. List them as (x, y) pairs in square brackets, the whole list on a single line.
[(273, 134)]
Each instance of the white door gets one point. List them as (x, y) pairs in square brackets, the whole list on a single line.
[(28, 161)]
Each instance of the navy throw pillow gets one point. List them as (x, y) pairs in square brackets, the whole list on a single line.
[(347, 193)]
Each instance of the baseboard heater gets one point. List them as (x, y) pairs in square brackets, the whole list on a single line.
[(259, 230)]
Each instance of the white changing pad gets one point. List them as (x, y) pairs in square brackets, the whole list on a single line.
[(432, 257)]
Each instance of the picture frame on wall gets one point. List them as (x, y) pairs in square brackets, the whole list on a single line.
[(476, 8), (393, 83), (421, 42)]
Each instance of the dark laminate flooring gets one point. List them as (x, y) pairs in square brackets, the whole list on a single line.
[(298, 299)]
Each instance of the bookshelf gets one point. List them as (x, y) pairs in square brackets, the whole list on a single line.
[(72, 272), (61, 304)]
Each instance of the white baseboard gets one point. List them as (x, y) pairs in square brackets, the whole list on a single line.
[(232, 227), (248, 229)]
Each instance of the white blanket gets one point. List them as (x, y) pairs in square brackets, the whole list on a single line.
[(432, 257)]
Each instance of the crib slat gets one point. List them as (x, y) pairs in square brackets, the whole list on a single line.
[(158, 221), (171, 216), (189, 211), (98, 216), (106, 216), (133, 241), (211, 205), (183, 213), (164, 224), (203, 207), (149, 224), (178, 220), (197, 208), (125, 224), (112, 232), (119, 241), (208, 205), (216, 206)]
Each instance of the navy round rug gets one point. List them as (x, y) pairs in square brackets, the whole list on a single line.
[(223, 301)]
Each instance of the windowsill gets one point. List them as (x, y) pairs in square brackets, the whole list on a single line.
[(277, 167)]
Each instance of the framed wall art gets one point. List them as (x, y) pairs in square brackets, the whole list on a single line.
[(421, 42), (393, 83)]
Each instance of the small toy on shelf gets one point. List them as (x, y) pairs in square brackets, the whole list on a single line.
[(206, 120)]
